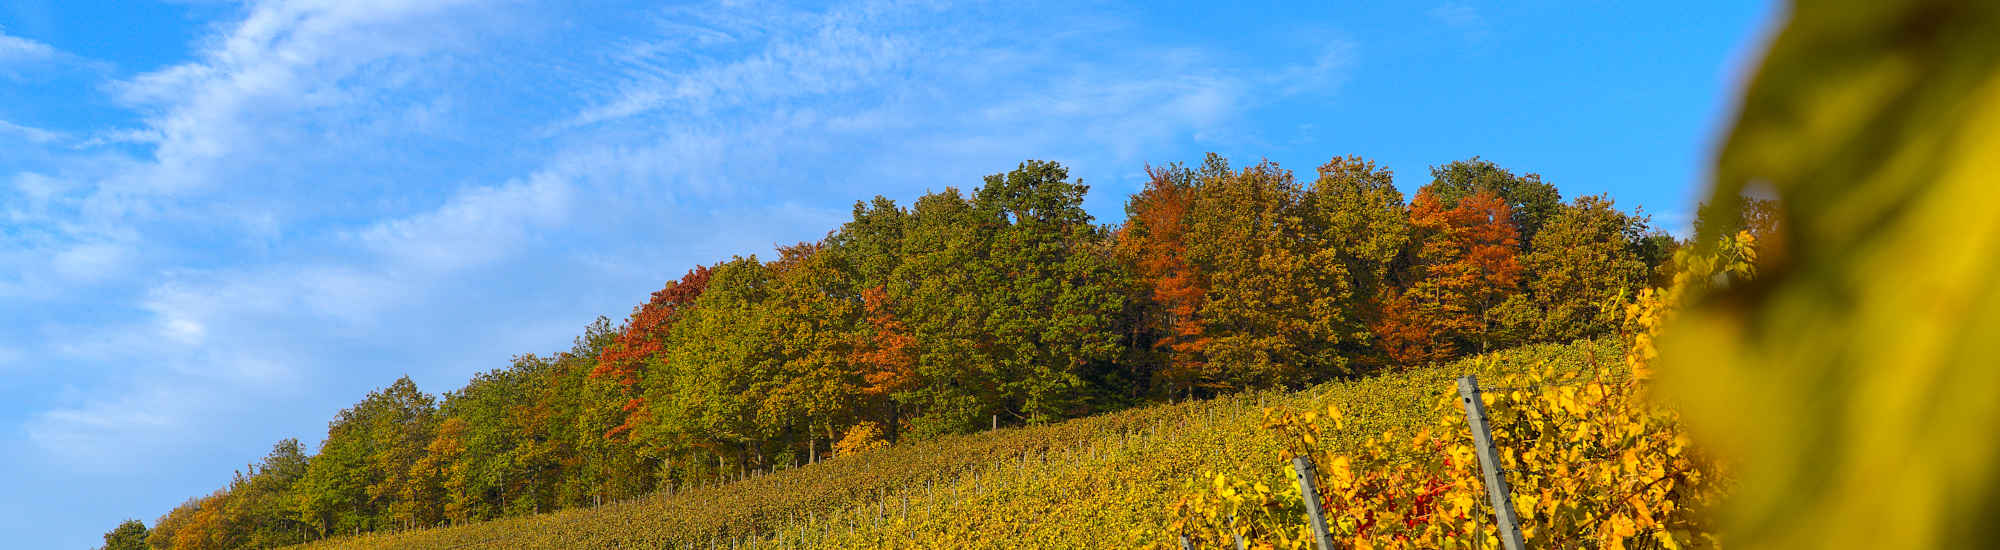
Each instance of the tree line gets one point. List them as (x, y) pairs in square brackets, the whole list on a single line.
[(1004, 304)]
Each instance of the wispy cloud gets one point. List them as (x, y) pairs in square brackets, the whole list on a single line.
[(227, 140), (278, 78), (241, 330), (322, 149), (15, 49), (964, 87), (1463, 18), (30, 133), (141, 136)]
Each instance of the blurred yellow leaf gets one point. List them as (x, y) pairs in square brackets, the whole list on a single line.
[(1853, 379)]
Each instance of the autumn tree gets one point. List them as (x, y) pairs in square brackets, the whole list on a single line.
[(883, 351), (211, 527), (436, 489), (812, 316), (401, 430), (1169, 290), (1276, 308), (645, 335), (168, 527), (1580, 267), (885, 357), (1530, 201), (1467, 264)]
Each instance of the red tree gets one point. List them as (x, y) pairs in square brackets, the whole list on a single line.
[(1467, 263), (624, 359), (886, 356), (1155, 239)]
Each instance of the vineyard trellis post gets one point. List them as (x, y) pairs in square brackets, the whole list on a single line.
[(1489, 463), (1304, 466)]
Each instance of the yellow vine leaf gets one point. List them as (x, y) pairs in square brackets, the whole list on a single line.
[(1853, 380)]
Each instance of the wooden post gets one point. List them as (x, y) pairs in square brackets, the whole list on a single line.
[(996, 421), (1304, 467), (1489, 464)]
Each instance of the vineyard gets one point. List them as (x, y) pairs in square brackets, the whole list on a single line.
[(1112, 480)]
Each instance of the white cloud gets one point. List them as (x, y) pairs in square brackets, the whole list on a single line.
[(89, 261), (264, 95), (14, 49), (30, 133), (1461, 17), (795, 54), (961, 86), (240, 332), (235, 142), (261, 85), (109, 434), (724, 130), (474, 227), (128, 135)]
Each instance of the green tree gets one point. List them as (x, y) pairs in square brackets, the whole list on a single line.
[(130, 535), (813, 315), (936, 291), (1363, 221), (719, 367), (355, 482), (260, 507), (1580, 269), (493, 469), (1051, 305)]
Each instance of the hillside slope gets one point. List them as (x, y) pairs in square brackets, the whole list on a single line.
[(1095, 482)]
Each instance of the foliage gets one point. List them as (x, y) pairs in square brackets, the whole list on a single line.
[(1852, 379), (1591, 465), (1467, 264), (1007, 304), (1363, 222), (1531, 203), (1592, 461), (1580, 268), (863, 437), (1274, 308), (1109, 480), (129, 535), (1153, 244)]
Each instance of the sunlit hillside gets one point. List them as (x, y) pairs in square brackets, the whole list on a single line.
[(1102, 481)]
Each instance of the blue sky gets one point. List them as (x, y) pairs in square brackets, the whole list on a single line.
[(222, 222)]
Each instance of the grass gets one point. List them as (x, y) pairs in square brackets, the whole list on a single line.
[(1092, 482)]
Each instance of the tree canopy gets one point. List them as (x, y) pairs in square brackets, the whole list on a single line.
[(1007, 303)]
